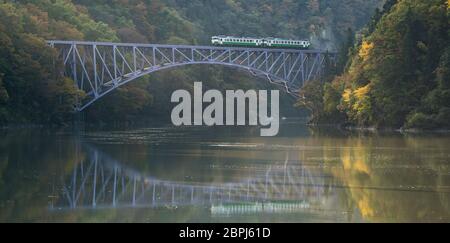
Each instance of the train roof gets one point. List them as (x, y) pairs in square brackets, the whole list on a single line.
[(257, 38)]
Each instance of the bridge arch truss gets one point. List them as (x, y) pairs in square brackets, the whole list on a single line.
[(98, 68)]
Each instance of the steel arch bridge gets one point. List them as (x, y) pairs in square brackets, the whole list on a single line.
[(100, 67)]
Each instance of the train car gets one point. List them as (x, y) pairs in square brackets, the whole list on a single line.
[(260, 42), (236, 41), (286, 43)]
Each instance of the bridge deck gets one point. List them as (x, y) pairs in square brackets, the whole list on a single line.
[(91, 43), (98, 68)]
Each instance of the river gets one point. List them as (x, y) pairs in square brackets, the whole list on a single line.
[(169, 174)]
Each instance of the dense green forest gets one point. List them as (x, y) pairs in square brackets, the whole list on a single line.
[(32, 89), (396, 73)]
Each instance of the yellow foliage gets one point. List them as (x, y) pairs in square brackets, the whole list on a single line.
[(356, 101), (347, 95), (366, 47), (362, 92)]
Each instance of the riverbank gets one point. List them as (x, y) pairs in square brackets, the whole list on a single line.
[(157, 123), (344, 127)]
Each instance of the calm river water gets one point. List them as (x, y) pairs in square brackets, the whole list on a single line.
[(167, 174)]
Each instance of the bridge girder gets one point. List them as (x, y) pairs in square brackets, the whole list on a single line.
[(98, 68)]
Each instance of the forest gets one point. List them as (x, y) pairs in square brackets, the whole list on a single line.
[(396, 73), (392, 69), (33, 91)]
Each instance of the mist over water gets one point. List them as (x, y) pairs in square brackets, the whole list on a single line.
[(168, 174)]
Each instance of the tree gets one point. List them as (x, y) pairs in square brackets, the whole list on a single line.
[(345, 51), (311, 98)]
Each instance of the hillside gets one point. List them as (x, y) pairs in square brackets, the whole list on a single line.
[(33, 90), (398, 74)]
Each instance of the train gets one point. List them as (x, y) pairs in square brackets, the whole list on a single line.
[(269, 42)]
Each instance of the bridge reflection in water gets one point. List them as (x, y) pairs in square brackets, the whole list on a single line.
[(101, 182)]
